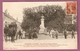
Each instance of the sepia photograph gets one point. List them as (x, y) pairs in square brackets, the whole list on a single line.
[(39, 25)]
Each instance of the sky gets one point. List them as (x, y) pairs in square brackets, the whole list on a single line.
[(15, 9)]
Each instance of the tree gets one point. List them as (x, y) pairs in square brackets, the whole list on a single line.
[(53, 15)]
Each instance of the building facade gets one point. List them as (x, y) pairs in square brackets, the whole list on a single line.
[(70, 19), (8, 18)]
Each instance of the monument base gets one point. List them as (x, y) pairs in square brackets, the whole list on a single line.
[(41, 31)]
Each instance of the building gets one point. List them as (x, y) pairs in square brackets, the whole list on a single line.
[(70, 19), (74, 18), (8, 18)]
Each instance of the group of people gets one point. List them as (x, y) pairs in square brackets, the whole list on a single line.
[(66, 34), (10, 31), (32, 33), (55, 34)]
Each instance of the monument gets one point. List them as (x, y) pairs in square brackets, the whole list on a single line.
[(42, 27)]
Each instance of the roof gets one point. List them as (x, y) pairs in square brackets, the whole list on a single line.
[(9, 16)]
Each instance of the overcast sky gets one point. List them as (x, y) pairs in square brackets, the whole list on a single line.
[(15, 8)]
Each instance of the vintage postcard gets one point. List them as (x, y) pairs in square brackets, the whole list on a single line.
[(40, 25)]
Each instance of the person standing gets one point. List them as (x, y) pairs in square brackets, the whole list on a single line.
[(26, 34), (15, 28), (56, 34), (23, 34), (30, 33), (6, 29), (49, 32), (17, 33), (45, 31), (11, 32), (20, 35), (52, 32), (35, 34), (65, 34), (73, 34)]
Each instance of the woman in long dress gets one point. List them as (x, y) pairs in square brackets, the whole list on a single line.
[(52, 33)]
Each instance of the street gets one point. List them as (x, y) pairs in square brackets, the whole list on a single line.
[(20, 43)]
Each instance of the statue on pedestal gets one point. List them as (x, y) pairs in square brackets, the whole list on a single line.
[(42, 28)]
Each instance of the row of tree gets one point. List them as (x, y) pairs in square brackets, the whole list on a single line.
[(53, 14)]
